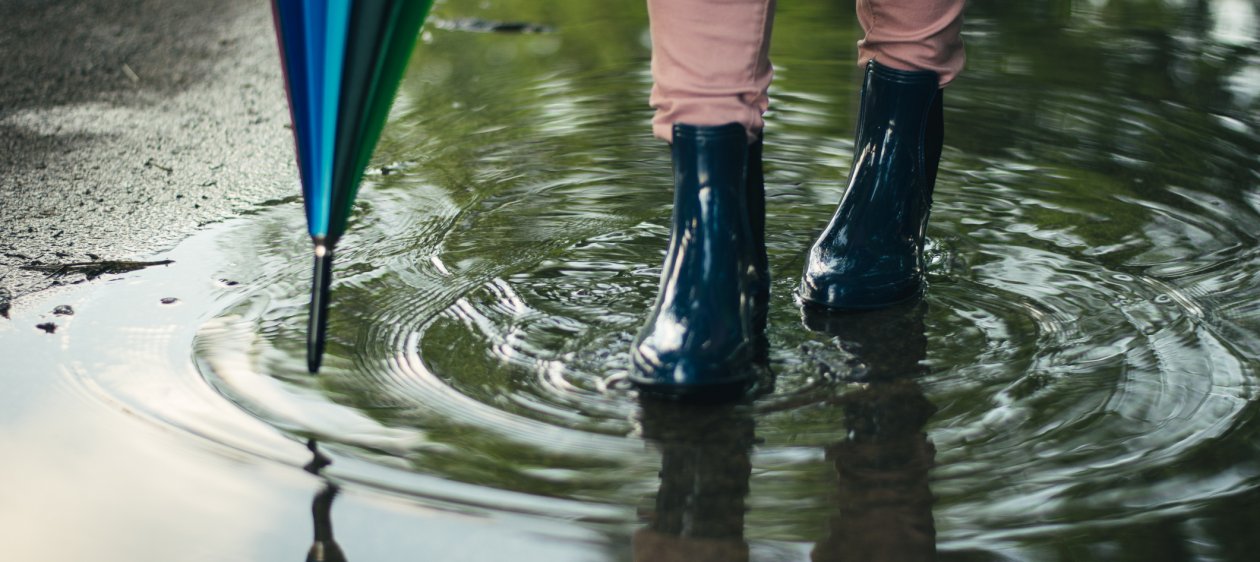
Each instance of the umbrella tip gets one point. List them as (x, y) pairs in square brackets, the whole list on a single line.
[(320, 283), (314, 353)]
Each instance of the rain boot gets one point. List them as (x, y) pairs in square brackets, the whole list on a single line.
[(871, 254), (697, 343), (755, 197)]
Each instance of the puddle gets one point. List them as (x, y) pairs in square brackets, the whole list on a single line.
[(1079, 381)]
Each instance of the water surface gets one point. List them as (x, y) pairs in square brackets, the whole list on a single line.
[(1078, 383)]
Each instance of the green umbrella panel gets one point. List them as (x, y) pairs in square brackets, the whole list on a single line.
[(343, 60)]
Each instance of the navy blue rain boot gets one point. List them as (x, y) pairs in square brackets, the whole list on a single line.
[(697, 344), (755, 198), (871, 254)]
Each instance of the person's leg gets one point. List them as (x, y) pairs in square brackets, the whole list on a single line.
[(871, 254), (710, 63), (711, 72), (913, 35)]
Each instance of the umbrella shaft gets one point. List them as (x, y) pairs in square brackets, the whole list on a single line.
[(320, 285)]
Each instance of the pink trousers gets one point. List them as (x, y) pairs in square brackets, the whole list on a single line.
[(711, 64)]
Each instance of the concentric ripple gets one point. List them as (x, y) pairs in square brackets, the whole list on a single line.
[(1087, 348)]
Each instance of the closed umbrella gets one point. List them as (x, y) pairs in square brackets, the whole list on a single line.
[(342, 63)]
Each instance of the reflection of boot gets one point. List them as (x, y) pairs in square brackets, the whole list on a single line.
[(889, 343), (699, 337), (883, 500), (871, 254), (699, 515)]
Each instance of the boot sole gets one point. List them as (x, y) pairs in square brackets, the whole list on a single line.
[(864, 302)]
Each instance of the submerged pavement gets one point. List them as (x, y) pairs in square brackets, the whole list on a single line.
[(126, 124)]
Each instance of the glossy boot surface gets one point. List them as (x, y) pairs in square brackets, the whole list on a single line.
[(755, 197), (871, 254), (697, 341)]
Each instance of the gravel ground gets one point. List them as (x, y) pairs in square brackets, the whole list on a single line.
[(126, 124)]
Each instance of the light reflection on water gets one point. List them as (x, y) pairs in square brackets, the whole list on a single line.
[(1082, 371)]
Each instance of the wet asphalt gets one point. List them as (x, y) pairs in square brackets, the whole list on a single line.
[(127, 124)]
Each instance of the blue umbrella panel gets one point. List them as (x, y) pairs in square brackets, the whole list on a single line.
[(342, 60)]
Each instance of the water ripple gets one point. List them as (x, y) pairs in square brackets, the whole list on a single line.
[(1088, 340)]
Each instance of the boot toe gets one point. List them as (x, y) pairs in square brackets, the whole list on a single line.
[(692, 376)]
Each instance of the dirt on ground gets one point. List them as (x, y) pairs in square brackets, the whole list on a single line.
[(125, 125)]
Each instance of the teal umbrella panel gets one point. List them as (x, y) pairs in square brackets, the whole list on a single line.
[(342, 61)]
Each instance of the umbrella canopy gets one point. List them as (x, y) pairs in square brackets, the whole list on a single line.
[(342, 63)]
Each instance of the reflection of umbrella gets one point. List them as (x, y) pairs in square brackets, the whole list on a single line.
[(325, 547), (342, 62)]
